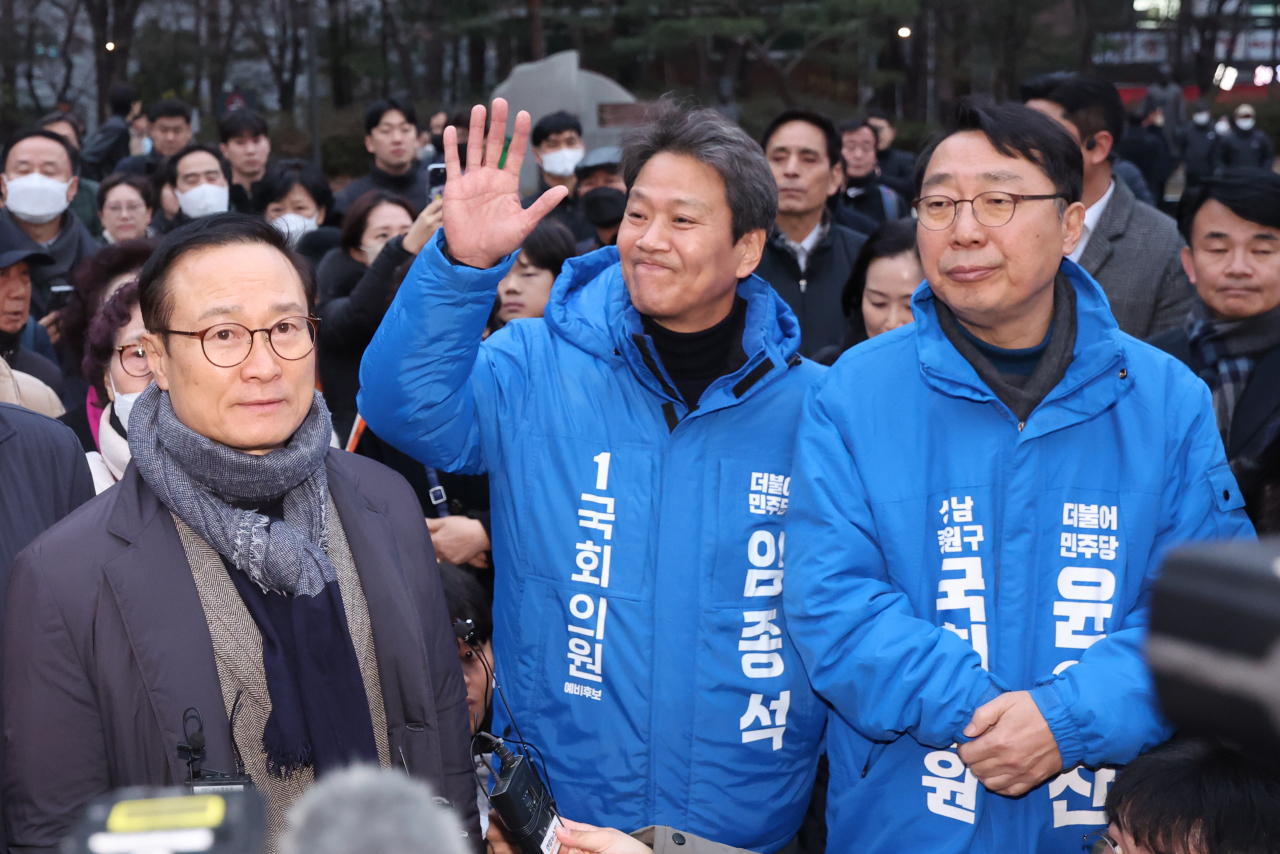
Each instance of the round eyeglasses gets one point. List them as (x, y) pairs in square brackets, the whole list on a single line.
[(992, 209), (1104, 844), (133, 359), (228, 344)]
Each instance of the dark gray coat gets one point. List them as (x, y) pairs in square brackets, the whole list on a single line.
[(107, 645), (1135, 255), (43, 477)]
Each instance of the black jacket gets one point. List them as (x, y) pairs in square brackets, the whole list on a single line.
[(1199, 150), (1247, 149), (107, 644), (1258, 407), (898, 171), (876, 200), (352, 300), (569, 212), (43, 477), (141, 164), (50, 283), (814, 295), (412, 185), (104, 148)]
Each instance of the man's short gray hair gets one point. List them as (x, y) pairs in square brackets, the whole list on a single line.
[(710, 138), (368, 810)]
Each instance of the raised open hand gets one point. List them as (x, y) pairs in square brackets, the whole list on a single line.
[(483, 219)]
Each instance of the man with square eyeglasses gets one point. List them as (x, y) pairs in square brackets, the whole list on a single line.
[(980, 502)]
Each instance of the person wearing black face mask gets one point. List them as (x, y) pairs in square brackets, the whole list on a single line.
[(1199, 145), (602, 196)]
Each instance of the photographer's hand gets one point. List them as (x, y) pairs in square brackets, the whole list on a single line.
[(579, 838), (483, 219), (424, 227)]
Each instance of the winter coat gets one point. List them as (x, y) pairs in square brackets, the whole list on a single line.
[(814, 295), (637, 612), (106, 645), (941, 553)]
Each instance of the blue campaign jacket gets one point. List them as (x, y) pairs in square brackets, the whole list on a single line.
[(638, 621), (931, 535)]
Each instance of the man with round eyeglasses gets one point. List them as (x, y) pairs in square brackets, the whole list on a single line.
[(238, 573), (980, 503)]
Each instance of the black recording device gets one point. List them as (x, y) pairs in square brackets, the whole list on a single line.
[(201, 781), (1214, 644), (526, 807), (436, 176), (523, 804)]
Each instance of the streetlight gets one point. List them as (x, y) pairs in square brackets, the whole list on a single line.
[(111, 45), (904, 32)]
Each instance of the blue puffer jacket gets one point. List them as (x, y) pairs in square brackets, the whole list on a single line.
[(941, 553), (638, 618)]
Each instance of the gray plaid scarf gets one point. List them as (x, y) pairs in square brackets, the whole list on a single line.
[(1225, 353), (199, 479)]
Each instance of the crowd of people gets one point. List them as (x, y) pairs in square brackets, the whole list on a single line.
[(363, 454)]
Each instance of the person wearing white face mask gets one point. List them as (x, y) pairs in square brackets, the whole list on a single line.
[(38, 184), (1199, 144), (558, 148), (294, 196), (199, 178), (116, 363), (1247, 146)]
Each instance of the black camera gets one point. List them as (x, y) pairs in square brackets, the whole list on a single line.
[(1214, 646), (150, 820)]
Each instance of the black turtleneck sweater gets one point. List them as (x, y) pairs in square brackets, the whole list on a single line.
[(694, 360)]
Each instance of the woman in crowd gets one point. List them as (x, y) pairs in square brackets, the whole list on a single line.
[(93, 282), (354, 291), (524, 291), (877, 297), (116, 365), (126, 204), (295, 197)]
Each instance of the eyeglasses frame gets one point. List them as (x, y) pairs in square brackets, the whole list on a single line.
[(1104, 838), (313, 322), (120, 353), (1018, 198)]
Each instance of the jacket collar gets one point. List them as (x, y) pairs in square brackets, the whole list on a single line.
[(591, 308), (152, 584), (1092, 382), (1111, 227), (382, 178)]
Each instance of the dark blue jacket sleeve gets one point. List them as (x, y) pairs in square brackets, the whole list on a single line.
[(425, 387)]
